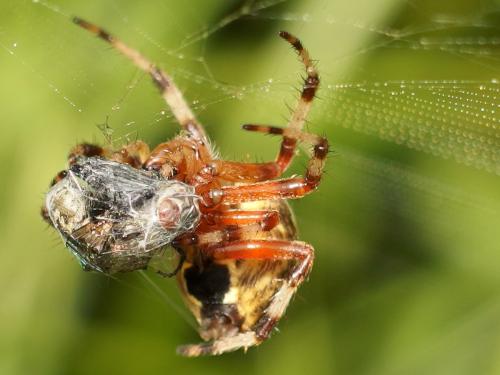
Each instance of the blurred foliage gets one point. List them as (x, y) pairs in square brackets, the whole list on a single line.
[(406, 279)]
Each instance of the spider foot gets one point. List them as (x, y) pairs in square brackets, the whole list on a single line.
[(220, 346)]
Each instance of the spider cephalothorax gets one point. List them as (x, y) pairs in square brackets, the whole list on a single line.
[(117, 209)]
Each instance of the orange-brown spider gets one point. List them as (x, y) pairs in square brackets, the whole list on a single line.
[(241, 262)]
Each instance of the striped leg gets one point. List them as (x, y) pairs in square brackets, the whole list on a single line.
[(134, 154), (299, 115), (245, 226), (257, 172), (169, 90), (310, 85), (223, 345), (254, 172), (268, 249), (277, 250), (288, 188)]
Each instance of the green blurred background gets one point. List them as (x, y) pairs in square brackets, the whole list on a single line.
[(405, 224)]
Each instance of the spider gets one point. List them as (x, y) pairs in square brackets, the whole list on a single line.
[(240, 262)]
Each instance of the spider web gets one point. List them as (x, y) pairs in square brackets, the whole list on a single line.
[(410, 99), (453, 117)]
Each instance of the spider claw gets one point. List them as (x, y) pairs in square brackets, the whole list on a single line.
[(294, 41)]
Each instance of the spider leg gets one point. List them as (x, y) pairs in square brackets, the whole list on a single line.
[(299, 115), (268, 249), (134, 154), (311, 83), (244, 172), (223, 345), (182, 158), (291, 133), (241, 217), (302, 252), (170, 92), (257, 172), (256, 222), (254, 172), (276, 250), (288, 188)]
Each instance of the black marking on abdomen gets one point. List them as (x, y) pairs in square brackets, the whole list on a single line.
[(210, 284)]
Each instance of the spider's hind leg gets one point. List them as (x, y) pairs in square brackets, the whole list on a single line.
[(302, 255), (277, 250)]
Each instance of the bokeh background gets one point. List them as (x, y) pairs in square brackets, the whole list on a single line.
[(405, 225)]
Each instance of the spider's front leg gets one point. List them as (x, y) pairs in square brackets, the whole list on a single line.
[(170, 92), (288, 188), (291, 134), (257, 172), (274, 250)]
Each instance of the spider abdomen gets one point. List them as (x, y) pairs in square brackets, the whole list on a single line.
[(229, 297)]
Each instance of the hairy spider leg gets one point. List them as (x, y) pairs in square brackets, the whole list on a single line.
[(231, 232), (279, 250), (222, 345), (231, 171), (268, 249), (299, 115), (288, 188), (256, 172), (170, 92)]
